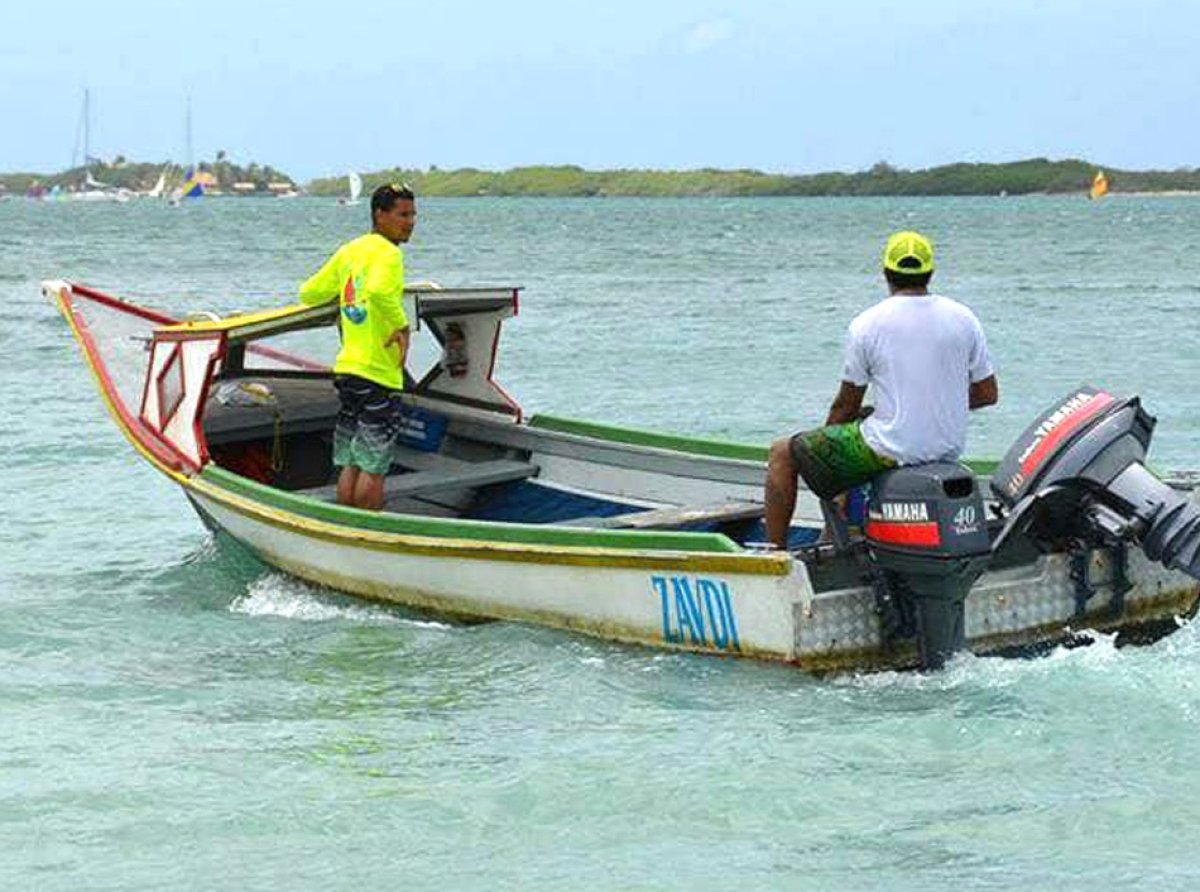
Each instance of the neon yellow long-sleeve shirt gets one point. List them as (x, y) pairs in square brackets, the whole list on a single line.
[(366, 276)]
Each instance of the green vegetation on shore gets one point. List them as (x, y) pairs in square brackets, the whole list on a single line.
[(1032, 176), (1036, 175), (140, 176)]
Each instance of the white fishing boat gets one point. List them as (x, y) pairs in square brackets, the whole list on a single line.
[(93, 191), (631, 535), (92, 196)]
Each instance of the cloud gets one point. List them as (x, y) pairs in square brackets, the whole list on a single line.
[(705, 35)]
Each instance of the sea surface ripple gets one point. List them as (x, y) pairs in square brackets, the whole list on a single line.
[(175, 715)]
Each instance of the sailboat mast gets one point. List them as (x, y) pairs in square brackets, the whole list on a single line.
[(87, 127), (81, 135), (188, 131)]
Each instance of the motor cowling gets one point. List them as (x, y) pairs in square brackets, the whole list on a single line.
[(927, 537), (1086, 438), (1077, 473)]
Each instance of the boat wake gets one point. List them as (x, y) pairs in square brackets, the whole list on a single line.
[(288, 598), (1099, 658), (968, 671)]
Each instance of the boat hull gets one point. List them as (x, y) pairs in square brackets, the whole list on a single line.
[(705, 603), (697, 602), (679, 590)]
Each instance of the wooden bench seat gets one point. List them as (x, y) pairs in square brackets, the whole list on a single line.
[(671, 518), (454, 475)]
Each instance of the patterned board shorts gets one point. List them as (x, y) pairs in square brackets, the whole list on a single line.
[(836, 458), (367, 425)]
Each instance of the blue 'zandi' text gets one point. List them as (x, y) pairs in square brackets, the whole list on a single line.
[(697, 611)]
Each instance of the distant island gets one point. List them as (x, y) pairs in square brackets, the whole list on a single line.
[(1031, 176)]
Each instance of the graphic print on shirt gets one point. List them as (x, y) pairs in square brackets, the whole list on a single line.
[(353, 311)]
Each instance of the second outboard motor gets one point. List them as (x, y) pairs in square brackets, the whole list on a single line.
[(927, 537), (1078, 473)]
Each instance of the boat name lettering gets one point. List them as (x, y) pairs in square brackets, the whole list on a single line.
[(697, 611)]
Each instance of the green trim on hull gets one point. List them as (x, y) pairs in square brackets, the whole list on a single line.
[(984, 467), (633, 437), (691, 445), (446, 528)]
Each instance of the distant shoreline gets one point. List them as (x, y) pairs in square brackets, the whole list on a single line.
[(1035, 176), (1030, 177)]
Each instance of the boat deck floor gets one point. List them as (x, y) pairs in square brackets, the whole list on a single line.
[(456, 475)]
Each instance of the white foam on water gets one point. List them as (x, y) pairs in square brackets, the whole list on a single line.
[(965, 670), (284, 596)]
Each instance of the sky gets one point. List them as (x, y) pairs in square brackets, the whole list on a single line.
[(316, 89)]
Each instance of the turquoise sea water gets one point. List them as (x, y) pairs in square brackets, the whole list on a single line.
[(174, 715)]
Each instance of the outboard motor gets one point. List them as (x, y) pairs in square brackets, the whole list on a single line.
[(1078, 473), (927, 537)]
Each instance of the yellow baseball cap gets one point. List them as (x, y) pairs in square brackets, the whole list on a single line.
[(908, 253)]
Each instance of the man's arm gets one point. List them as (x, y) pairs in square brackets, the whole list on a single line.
[(323, 286), (847, 404), (983, 390), (984, 393), (400, 337)]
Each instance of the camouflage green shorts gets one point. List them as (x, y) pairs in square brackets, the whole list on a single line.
[(836, 458), (367, 425)]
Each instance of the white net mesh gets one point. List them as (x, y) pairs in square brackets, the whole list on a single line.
[(122, 339)]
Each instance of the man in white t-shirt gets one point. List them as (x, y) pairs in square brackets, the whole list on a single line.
[(926, 358)]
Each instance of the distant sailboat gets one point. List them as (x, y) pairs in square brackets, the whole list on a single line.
[(191, 187), (1099, 185), (160, 186), (355, 187)]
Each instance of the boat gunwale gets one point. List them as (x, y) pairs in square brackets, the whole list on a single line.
[(450, 537), (702, 446)]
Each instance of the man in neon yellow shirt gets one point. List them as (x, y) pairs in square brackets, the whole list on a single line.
[(366, 276)]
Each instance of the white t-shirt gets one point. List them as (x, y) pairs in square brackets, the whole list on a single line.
[(920, 353)]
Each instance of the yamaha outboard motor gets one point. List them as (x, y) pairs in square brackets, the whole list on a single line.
[(1078, 473), (927, 538)]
